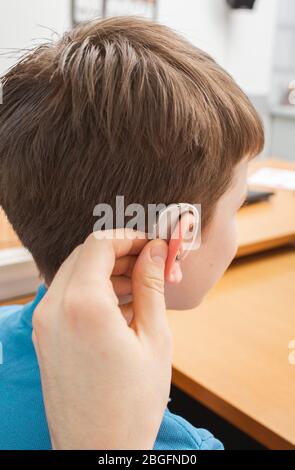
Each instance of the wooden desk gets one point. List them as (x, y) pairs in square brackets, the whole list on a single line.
[(18, 300), (268, 224), (232, 352)]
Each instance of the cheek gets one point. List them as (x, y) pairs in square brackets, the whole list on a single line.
[(202, 269), (232, 239), (220, 252), (227, 245)]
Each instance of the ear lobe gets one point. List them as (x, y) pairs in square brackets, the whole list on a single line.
[(173, 272)]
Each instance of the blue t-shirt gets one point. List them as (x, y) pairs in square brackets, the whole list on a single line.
[(23, 423)]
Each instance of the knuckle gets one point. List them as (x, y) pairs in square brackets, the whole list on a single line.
[(39, 319), (73, 302), (85, 302), (151, 281)]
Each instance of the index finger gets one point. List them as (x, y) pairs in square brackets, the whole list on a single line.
[(98, 254)]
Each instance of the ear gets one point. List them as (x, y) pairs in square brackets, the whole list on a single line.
[(183, 228)]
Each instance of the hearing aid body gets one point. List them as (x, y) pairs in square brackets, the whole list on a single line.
[(168, 221), (179, 225)]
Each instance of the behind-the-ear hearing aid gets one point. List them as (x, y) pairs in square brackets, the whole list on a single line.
[(179, 225), (167, 221), (165, 228)]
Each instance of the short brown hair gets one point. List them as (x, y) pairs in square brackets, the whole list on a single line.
[(120, 106)]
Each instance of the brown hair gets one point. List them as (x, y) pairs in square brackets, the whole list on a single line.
[(120, 106)]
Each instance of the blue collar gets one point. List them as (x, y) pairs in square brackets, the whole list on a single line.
[(29, 308)]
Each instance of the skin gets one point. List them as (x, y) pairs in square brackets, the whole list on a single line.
[(93, 365), (189, 280), (82, 334)]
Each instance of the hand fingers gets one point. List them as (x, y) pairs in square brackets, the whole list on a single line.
[(90, 283), (98, 256), (148, 288), (127, 312), (122, 285), (124, 266)]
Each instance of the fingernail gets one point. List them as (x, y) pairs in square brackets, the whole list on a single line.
[(159, 253)]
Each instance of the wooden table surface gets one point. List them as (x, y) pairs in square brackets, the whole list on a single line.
[(268, 224), (231, 353)]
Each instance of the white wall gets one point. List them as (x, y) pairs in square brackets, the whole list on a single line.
[(284, 58), (240, 40), (250, 46), (23, 23), (203, 22)]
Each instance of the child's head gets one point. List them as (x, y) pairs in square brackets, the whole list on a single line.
[(124, 106)]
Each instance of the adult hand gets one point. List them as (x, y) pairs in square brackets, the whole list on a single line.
[(105, 382)]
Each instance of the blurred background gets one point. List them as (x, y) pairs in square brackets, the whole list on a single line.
[(253, 40)]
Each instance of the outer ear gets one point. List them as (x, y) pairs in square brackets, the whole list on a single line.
[(173, 273)]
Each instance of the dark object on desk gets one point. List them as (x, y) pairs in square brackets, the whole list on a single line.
[(257, 196), (201, 417), (236, 4)]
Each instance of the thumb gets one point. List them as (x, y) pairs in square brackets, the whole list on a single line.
[(148, 288)]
